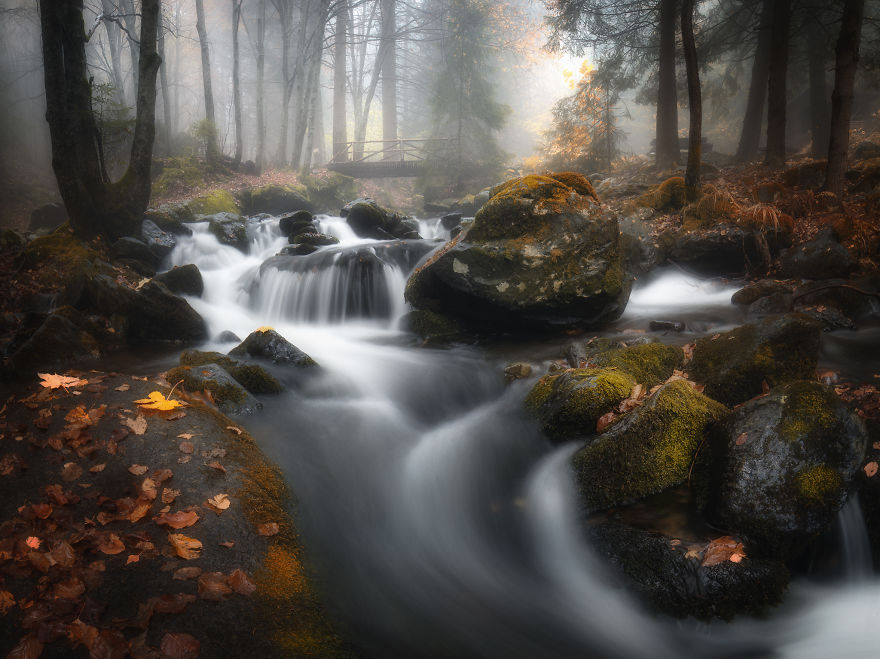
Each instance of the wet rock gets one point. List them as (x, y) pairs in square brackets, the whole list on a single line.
[(299, 220), (169, 216), (253, 377), (820, 258), (434, 328), (853, 298), (517, 371), (313, 238), (753, 291), (161, 243), (135, 254), (360, 200), (64, 337), (538, 255), (450, 220), (734, 365), (276, 199), (648, 450), (302, 249), (183, 280), (648, 363), (47, 217), (778, 470), (663, 577), (369, 220), (570, 403), (830, 318), (230, 229), (666, 326), (769, 305), (229, 396), (721, 250), (213, 203), (576, 355), (227, 336), (271, 346)]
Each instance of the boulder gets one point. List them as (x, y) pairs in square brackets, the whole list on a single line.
[(271, 346), (168, 222), (778, 470), (313, 238), (648, 450), (329, 190), (290, 222), (228, 394), (135, 254), (369, 220), (724, 249), (230, 229), (670, 577), (275, 199), (253, 377), (160, 242), (820, 258), (649, 363), (218, 201), (808, 175), (183, 280), (301, 249), (345, 210), (228, 336), (866, 150), (433, 328), (47, 217), (668, 196), (735, 365), (538, 255), (517, 371), (62, 338), (754, 291), (570, 403), (450, 220)]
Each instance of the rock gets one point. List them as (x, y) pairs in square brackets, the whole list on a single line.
[(218, 201), (253, 377), (663, 577), (271, 346), (569, 404), (360, 200), (249, 167), (841, 294), (778, 470), (276, 199), (769, 305), (227, 336), (820, 258), (648, 450), (369, 220), (299, 219), (433, 327), (179, 212), (666, 326), (866, 150), (481, 199), (668, 196), (450, 220), (809, 175), (161, 243), (298, 250), (168, 222), (48, 217), (753, 291), (329, 190), (735, 364), (538, 255), (135, 254), (648, 364), (183, 280), (230, 229), (12, 239), (313, 238), (63, 338), (517, 371), (722, 250), (229, 396)]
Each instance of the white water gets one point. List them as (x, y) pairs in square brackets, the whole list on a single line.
[(444, 523)]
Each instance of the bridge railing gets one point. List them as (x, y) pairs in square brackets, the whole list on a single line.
[(399, 150)]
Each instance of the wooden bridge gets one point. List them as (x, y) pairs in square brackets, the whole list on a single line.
[(387, 158)]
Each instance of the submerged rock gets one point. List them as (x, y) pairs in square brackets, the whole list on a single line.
[(649, 449), (778, 470), (538, 254), (313, 238), (734, 365), (270, 345)]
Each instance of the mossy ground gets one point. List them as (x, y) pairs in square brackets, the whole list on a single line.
[(668, 196), (217, 201)]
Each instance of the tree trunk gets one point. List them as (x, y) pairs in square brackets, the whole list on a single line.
[(166, 100), (284, 16), (177, 69), (666, 142), (261, 71), (126, 8), (846, 64), (818, 95), (211, 149), (95, 205), (236, 83), (389, 75), (695, 103), (776, 85), (114, 35), (750, 137), (340, 130)]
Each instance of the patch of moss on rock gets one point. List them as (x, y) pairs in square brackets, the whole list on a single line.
[(228, 394), (577, 182), (217, 201), (253, 377), (735, 364), (433, 327), (668, 196), (648, 450), (569, 404), (648, 363), (60, 247)]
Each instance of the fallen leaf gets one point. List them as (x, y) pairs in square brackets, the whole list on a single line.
[(111, 544), (605, 420), (742, 439), (42, 510), (139, 470), (218, 503), (29, 647), (157, 401), (216, 465), (229, 544), (186, 573), (64, 555), (264, 329), (721, 549), (56, 381), (70, 472), (179, 646), (213, 586), (178, 520), (79, 633), (137, 425), (33, 542), (70, 589), (148, 487), (186, 447), (241, 583), (870, 469), (98, 468), (268, 529), (7, 601), (186, 548), (162, 475), (185, 435), (123, 387), (169, 495), (132, 558)]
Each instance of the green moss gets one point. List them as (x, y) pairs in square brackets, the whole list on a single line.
[(577, 182), (179, 175), (255, 379), (650, 449), (330, 191), (668, 196), (819, 483), (60, 246), (809, 410), (649, 363), (433, 326), (221, 392), (216, 201), (570, 403)]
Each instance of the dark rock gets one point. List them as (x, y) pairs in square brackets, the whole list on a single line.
[(753, 291), (648, 450), (313, 238), (253, 377), (842, 294), (249, 167), (161, 243), (735, 364), (721, 250), (226, 336), (809, 175), (360, 200), (666, 326), (538, 255), (230, 230), (820, 258), (228, 394), (866, 150), (769, 305), (12, 239), (63, 338), (183, 280), (369, 220), (454, 231), (48, 217), (434, 328), (169, 222), (517, 371), (662, 576), (135, 254), (830, 318), (450, 220), (576, 355), (270, 345), (298, 250), (778, 470), (290, 222), (275, 199)]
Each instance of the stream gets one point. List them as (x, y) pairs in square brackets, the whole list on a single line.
[(442, 523)]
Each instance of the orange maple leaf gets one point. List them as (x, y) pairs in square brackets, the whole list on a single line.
[(56, 381)]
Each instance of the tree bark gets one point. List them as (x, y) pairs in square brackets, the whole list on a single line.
[(776, 84), (695, 103), (261, 70), (846, 64), (750, 136), (114, 40), (818, 93), (389, 74), (340, 121), (666, 142), (236, 84), (211, 149), (95, 205), (166, 100), (284, 16), (129, 18)]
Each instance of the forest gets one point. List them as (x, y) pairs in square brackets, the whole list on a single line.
[(384, 328)]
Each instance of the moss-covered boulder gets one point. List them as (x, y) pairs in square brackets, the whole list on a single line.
[(538, 254), (433, 328), (253, 377), (315, 238), (270, 345), (648, 450), (228, 394), (778, 470), (370, 220), (734, 365), (183, 280), (754, 291), (668, 196), (296, 222), (570, 403), (55, 342), (669, 576), (720, 250), (648, 364), (820, 258), (275, 199), (134, 254), (218, 201), (170, 222), (808, 175), (229, 229), (329, 191)]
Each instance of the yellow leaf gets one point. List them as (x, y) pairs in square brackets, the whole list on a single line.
[(54, 381), (264, 328), (157, 401), (185, 547)]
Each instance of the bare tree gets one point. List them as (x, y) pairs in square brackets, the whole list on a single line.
[(666, 145), (236, 83), (340, 129), (211, 148), (695, 103), (389, 72), (776, 83)]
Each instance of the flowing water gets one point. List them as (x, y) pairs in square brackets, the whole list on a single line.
[(442, 523)]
